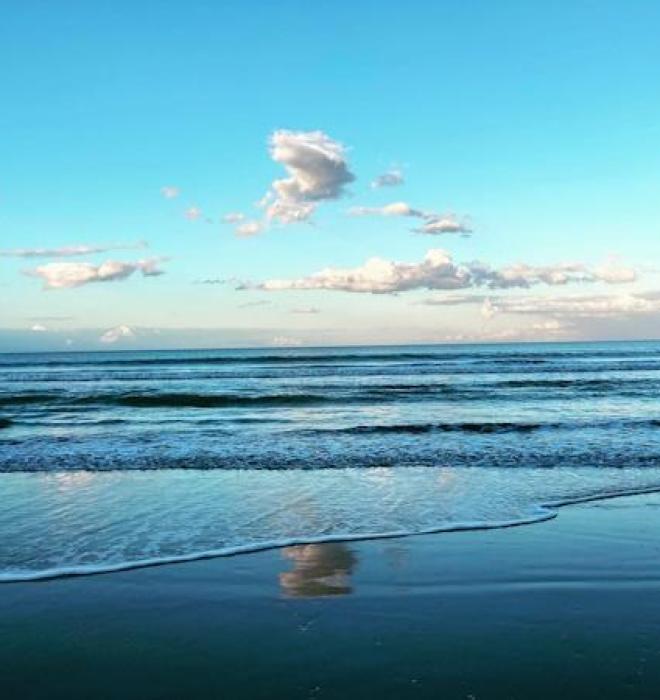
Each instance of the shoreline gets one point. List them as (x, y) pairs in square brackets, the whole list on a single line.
[(511, 613), (546, 511)]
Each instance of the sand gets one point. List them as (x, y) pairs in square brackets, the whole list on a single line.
[(566, 608)]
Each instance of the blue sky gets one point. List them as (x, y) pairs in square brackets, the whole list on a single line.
[(534, 125)]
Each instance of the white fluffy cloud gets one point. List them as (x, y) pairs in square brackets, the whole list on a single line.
[(62, 275), (613, 272), (379, 276), (438, 271), (116, 334), (391, 178), (317, 170)]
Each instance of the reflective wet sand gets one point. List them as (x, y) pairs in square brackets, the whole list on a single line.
[(569, 607)]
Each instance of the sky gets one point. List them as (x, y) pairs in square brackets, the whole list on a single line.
[(208, 174)]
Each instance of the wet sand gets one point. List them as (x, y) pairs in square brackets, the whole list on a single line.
[(567, 607)]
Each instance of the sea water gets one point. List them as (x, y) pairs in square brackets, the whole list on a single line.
[(112, 460)]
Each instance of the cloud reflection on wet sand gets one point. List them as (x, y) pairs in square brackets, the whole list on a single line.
[(318, 570)]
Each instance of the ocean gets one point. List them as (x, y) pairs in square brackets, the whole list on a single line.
[(113, 460)]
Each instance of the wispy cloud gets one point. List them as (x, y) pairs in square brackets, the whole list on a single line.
[(114, 335), (233, 217), (63, 275), (393, 209), (539, 331), (69, 251), (193, 213), (391, 178), (310, 310), (601, 306), (254, 304), (285, 341), (437, 224), (453, 300), (49, 319), (249, 229), (574, 306), (213, 280), (522, 275), (170, 192), (433, 223)]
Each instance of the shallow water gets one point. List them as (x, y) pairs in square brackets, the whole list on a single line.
[(119, 459)]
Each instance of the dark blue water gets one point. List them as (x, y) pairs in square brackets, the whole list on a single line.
[(118, 458), (491, 406)]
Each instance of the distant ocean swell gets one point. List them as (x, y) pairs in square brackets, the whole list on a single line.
[(332, 394)]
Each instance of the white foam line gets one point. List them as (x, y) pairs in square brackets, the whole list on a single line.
[(544, 512)]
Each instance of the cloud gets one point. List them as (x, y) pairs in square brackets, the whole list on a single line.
[(438, 271), (70, 250), (543, 330), (391, 178), (523, 276), (613, 272), (290, 212), (317, 170), (434, 224), (453, 300), (233, 217), (243, 228), (38, 328), (581, 306), (253, 304), (437, 224), (170, 192), (47, 319), (488, 309), (116, 334), (379, 276), (63, 275), (213, 280), (285, 341), (393, 209), (249, 229), (552, 326), (306, 310), (576, 306), (193, 213)]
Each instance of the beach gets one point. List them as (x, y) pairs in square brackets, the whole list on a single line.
[(330, 351), (569, 607)]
